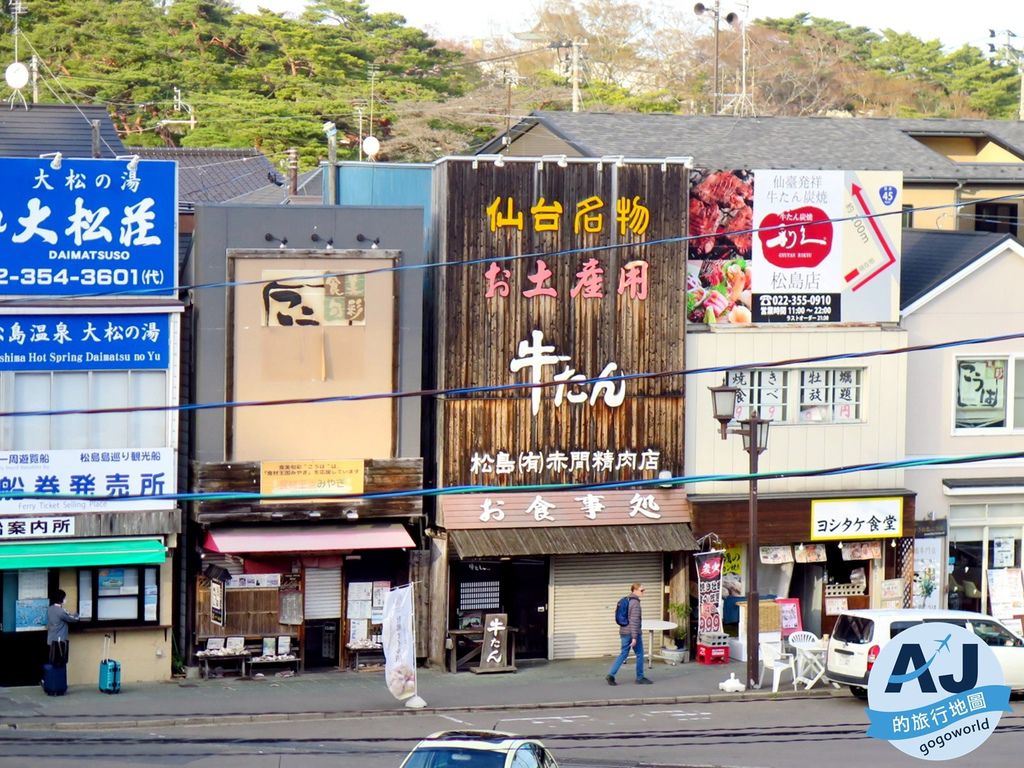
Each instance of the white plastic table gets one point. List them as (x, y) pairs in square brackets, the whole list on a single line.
[(810, 661), (651, 626)]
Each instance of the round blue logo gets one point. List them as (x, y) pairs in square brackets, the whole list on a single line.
[(936, 692)]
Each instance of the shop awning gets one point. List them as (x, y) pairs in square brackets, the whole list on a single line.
[(308, 538), (597, 539), (72, 553)]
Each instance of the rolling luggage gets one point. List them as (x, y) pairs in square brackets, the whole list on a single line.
[(55, 680), (110, 670)]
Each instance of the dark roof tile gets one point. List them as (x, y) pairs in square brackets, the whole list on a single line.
[(930, 257), (56, 128)]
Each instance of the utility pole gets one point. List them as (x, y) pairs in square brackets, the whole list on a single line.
[(359, 111), (293, 172), (332, 161), (373, 80), (34, 69), (1010, 52), (575, 75)]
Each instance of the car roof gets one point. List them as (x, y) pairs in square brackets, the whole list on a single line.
[(483, 740)]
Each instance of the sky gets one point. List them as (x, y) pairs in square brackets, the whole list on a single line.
[(954, 23)]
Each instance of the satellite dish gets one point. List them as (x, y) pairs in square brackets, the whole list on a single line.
[(371, 146), (16, 76)]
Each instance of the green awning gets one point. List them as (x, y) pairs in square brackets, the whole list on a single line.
[(71, 553)]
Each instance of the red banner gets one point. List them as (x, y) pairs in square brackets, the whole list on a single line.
[(709, 591)]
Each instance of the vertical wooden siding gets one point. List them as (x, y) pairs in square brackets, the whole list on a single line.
[(480, 336)]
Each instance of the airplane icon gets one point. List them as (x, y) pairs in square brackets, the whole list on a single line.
[(944, 644)]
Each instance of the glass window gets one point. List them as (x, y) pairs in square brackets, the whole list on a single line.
[(808, 395), (992, 633), (981, 400), (122, 594), (31, 393), (84, 390), (70, 393), (525, 757), (763, 391), (854, 629), (85, 595), (830, 394)]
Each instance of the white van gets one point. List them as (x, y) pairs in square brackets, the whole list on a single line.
[(859, 636)]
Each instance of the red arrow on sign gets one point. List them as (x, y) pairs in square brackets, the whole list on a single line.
[(882, 241)]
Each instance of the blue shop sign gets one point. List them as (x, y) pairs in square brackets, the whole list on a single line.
[(88, 227), (84, 342)]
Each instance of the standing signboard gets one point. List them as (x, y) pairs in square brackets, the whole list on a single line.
[(81, 227), (709, 591)]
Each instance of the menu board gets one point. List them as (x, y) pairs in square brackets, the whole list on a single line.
[(1005, 592)]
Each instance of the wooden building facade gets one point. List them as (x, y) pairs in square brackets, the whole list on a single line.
[(560, 348)]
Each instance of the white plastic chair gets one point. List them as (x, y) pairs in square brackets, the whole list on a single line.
[(803, 637), (778, 662)]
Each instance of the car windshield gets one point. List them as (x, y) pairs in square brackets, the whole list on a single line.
[(455, 757)]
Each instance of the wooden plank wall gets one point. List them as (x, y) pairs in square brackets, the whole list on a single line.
[(380, 475), (480, 336), (248, 612)]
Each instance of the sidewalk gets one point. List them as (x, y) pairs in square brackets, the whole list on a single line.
[(316, 695)]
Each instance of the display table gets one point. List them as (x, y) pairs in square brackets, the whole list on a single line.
[(260, 663), (356, 653), (229, 659)]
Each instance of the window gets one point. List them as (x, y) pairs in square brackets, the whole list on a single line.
[(762, 390), (83, 390), (122, 594), (908, 216), (806, 395), (992, 633), (996, 217), (830, 394), (990, 393)]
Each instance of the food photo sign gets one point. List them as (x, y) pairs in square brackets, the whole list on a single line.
[(793, 246)]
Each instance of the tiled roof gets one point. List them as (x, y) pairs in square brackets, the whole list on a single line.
[(310, 188), (930, 257), (56, 128), (726, 141), (213, 175)]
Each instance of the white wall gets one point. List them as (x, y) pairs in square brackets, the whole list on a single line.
[(880, 436)]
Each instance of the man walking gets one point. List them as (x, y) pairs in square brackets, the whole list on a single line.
[(631, 636)]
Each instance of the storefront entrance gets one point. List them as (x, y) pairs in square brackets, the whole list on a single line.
[(517, 587)]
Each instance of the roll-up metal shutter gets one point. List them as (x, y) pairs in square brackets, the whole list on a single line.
[(585, 589), (323, 593)]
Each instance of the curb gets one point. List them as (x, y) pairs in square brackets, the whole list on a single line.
[(263, 717)]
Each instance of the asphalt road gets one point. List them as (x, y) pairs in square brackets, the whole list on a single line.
[(761, 734)]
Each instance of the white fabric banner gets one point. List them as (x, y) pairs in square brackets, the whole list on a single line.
[(399, 643)]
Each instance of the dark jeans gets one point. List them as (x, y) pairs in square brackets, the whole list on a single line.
[(59, 653)]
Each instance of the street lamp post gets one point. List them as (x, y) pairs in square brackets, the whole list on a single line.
[(754, 431), (700, 9)]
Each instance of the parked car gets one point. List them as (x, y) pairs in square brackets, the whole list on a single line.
[(478, 749), (859, 636)]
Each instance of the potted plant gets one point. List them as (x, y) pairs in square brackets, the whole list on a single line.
[(680, 613)]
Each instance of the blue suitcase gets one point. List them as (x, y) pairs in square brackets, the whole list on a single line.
[(110, 671), (55, 680)]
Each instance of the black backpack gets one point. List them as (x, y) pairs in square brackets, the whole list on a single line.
[(622, 611)]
